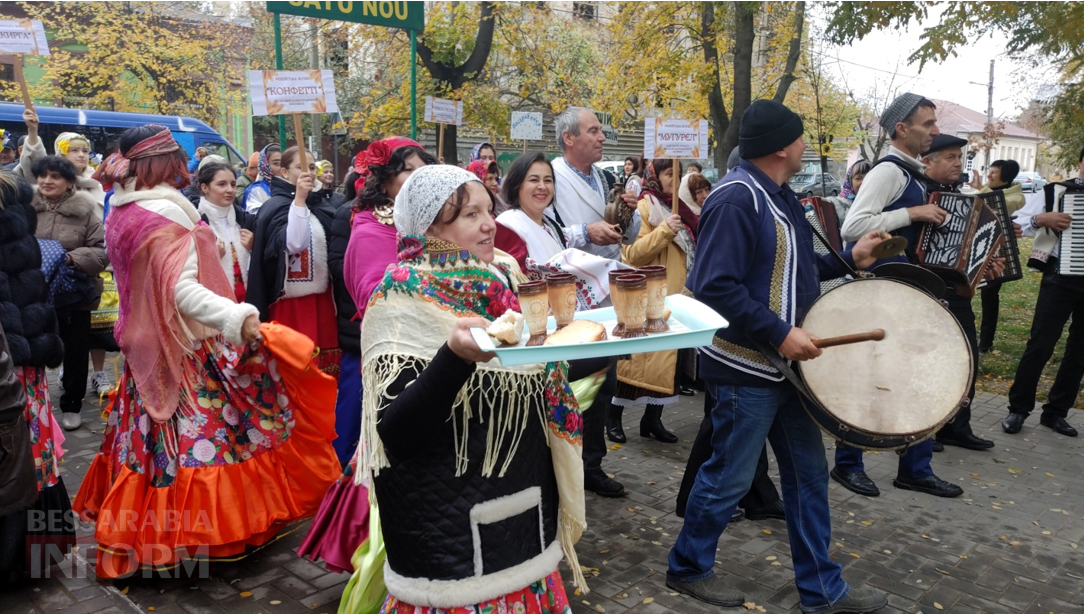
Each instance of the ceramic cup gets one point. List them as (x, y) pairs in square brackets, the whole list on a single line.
[(534, 300), (656, 297), (615, 293), (633, 290), (562, 295)]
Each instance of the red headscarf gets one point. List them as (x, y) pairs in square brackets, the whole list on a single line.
[(481, 167), (117, 167), (378, 154)]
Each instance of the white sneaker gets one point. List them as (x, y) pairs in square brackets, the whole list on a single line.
[(70, 421), (100, 382)]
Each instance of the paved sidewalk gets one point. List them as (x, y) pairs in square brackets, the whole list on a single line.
[(1009, 545)]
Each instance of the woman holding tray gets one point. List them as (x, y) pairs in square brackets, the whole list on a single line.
[(476, 512), (669, 239)]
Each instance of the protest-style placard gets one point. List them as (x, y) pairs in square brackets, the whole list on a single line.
[(441, 111), (281, 92), (526, 126), (23, 37), (675, 138), (18, 38)]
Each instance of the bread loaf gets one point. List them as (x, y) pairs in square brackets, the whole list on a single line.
[(507, 329), (578, 331)]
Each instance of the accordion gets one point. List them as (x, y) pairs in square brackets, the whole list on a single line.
[(959, 248), (822, 217), (1071, 257), (1009, 250)]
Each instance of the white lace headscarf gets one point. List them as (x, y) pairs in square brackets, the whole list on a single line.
[(422, 197)]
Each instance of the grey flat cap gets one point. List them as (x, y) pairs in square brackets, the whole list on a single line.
[(899, 109)]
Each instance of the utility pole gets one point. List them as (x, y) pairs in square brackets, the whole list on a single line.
[(317, 137), (989, 116)]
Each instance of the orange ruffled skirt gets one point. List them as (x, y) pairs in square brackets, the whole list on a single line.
[(247, 454)]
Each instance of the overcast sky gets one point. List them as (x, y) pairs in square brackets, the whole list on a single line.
[(869, 64)]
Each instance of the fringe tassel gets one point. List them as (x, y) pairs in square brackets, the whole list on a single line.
[(568, 534)]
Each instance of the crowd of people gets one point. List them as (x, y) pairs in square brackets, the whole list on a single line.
[(291, 350)]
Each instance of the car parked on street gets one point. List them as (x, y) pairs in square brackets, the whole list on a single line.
[(1031, 182), (810, 184)]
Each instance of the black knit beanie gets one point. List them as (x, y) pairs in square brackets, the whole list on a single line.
[(767, 127)]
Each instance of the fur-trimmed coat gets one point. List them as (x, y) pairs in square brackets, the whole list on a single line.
[(27, 318), (85, 182), (77, 227)]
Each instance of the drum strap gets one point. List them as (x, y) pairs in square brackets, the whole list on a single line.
[(783, 365)]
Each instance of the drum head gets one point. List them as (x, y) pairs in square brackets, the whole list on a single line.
[(914, 275), (910, 382)]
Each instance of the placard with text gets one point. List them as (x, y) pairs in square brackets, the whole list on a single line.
[(280, 92), (675, 138), (441, 111), (23, 37)]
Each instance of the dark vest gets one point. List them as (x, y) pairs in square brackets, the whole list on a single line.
[(914, 195), (433, 520)]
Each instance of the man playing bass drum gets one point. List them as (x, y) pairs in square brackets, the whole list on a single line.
[(893, 199)]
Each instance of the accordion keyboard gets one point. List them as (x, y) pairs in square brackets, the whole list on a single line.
[(1071, 260)]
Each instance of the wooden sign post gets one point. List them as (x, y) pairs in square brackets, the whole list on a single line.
[(293, 92), (443, 112), (677, 139), (19, 38)]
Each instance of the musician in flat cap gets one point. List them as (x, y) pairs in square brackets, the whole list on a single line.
[(893, 199), (1060, 297), (756, 266), (944, 163)]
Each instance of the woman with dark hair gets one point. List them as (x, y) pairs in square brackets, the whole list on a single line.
[(289, 280), (215, 416), (363, 244), (525, 230), (67, 215), (669, 239), (33, 344), (217, 185), (694, 191), (483, 151), (855, 176)]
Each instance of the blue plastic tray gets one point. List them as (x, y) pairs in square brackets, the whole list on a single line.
[(692, 324)]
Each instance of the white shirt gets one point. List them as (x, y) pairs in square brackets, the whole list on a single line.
[(883, 185)]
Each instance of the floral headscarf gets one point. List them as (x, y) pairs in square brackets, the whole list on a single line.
[(264, 164), (422, 197), (848, 191), (476, 153), (378, 154), (483, 167)]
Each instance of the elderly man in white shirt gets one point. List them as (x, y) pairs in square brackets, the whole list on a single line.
[(1060, 297)]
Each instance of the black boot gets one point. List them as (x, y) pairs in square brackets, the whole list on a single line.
[(651, 425), (614, 430)]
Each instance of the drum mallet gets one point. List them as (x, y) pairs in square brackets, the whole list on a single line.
[(876, 334)]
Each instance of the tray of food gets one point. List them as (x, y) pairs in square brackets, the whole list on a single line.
[(683, 323)]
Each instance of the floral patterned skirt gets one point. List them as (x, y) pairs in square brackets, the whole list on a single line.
[(240, 459), (46, 437), (547, 596)]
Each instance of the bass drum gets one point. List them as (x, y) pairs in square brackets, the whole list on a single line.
[(892, 393)]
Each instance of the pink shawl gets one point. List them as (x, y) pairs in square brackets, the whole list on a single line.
[(371, 249), (148, 252)]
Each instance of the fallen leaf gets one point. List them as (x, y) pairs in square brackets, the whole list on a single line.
[(749, 605), (769, 558), (1014, 543), (854, 555), (938, 606), (649, 600), (776, 564), (1049, 475), (996, 507), (1046, 532), (866, 522), (275, 602), (766, 532), (246, 594), (599, 608), (124, 591), (975, 475), (887, 551), (657, 543)]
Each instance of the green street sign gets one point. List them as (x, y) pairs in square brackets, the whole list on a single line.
[(404, 15)]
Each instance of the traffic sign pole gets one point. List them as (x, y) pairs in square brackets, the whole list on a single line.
[(414, 85)]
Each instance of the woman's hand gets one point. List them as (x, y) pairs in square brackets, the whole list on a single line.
[(674, 222), (862, 252), (250, 329), (976, 180), (247, 239), (30, 117), (305, 184), (462, 343)]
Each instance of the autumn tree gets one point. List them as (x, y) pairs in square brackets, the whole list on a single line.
[(139, 56), (691, 58), (1049, 30)]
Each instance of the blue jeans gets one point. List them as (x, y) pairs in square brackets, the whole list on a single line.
[(743, 418), (914, 463), (348, 407)]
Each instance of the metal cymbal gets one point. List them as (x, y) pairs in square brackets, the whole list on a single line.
[(889, 247)]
